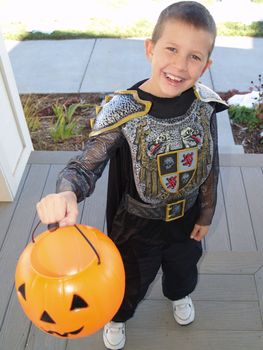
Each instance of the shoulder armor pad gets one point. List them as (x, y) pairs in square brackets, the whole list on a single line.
[(205, 94), (122, 107)]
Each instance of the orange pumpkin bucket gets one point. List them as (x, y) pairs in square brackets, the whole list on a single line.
[(70, 284)]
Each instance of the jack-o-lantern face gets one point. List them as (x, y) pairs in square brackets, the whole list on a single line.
[(77, 304), (66, 293)]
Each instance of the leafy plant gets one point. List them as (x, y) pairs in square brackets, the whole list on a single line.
[(259, 106), (65, 126), (245, 116), (250, 117), (31, 114)]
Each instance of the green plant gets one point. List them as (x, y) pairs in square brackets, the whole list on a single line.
[(245, 116), (65, 125), (250, 117), (258, 87), (31, 114)]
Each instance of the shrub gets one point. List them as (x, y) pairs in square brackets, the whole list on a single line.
[(245, 116)]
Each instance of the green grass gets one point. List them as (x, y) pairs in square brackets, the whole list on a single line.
[(109, 23), (140, 29), (255, 29), (97, 28)]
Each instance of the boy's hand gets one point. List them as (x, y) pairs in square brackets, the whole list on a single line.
[(199, 232), (61, 208)]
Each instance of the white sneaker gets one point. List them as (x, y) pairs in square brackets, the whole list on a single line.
[(114, 335), (184, 312)]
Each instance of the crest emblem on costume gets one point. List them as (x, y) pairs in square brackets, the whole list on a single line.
[(191, 137), (177, 168)]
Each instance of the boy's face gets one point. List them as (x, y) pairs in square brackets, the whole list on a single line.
[(178, 58)]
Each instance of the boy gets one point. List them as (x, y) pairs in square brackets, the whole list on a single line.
[(161, 137)]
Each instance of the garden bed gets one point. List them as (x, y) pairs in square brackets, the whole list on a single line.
[(41, 119)]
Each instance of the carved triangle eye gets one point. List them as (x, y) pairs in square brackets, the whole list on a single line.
[(46, 318), (22, 290), (78, 303)]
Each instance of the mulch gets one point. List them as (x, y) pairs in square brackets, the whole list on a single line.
[(41, 107), (42, 104)]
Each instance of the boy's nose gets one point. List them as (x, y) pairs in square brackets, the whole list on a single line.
[(180, 63)]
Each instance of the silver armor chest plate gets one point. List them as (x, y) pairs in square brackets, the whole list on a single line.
[(171, 157)]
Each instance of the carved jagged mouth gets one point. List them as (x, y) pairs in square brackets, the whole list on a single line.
[(65, 335)]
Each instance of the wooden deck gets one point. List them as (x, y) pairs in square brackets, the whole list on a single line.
[(228, 299)]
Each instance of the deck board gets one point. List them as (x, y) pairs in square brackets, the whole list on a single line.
[(7, 209), (36, 337), (16, 320), (230, 315), (186, 339), (19, 230), (238, 216), (220, 287), (218, 237), (241, 263), (259, 285), (190, 340), (253, 181), (228, 297)]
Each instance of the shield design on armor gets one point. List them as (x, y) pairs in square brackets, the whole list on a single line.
[(177, 168)]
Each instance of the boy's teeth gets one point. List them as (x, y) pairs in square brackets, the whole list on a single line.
[(173, 77)]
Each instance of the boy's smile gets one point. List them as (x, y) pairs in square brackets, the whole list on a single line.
[(178, 58)]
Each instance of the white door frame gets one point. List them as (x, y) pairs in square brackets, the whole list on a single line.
[(15, 141)]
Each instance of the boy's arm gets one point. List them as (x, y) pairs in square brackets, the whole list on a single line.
[(82, 172), (208, 190), (77, 180)]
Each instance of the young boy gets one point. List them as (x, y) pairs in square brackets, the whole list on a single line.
[(161, 137)]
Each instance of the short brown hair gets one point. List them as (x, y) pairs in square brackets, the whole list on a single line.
[(190, 12)]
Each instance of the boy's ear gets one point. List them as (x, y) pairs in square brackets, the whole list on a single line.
[(148, 44), (208, 64)]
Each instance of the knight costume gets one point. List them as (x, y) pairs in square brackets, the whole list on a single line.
[(162, 181)]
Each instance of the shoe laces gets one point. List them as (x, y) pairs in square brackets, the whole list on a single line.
[(182, 303), (115, 327)]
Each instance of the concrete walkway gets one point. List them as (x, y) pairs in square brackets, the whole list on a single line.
[(106, 65)]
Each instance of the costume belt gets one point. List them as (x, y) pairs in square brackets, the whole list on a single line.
[(168, 212)]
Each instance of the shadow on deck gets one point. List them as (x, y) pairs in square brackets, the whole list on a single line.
[(228, 299)]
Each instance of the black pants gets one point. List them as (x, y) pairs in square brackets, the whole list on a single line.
[(147, 245)]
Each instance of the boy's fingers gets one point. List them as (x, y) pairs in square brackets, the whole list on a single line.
[(51, 209), (195, 231), (199, 232), (61, 208), (71, 217)]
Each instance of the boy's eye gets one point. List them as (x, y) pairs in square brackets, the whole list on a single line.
[(172, 49), (196, 58)]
